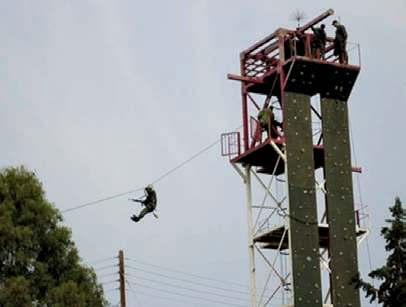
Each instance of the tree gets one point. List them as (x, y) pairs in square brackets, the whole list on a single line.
[(39, 263), (392, 291)]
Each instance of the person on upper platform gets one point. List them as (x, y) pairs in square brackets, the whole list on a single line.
[(149, 202), (340, 42), (267, 121), (319, 42)]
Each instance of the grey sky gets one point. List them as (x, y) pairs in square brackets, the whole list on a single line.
[(100, 97)]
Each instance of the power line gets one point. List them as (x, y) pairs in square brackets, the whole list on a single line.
[(107, 275), (188, 274), (109, 282), (187, 295), (101, 260), (133, 292), (191, 289), (186, 281), (105, 267), (110, 290), (160, 297)]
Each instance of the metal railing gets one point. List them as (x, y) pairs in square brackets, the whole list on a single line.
[(259, 64), (230, 144)]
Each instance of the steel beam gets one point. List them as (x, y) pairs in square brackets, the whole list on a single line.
[(251, 252), (304, 236), (340, 202)]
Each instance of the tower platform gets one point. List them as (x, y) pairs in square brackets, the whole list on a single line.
[(272, 238), (307, 76), (265, 157)]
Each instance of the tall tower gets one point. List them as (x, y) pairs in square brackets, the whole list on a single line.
[(298, 176)]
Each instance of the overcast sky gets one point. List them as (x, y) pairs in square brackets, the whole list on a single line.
[(100, 97)]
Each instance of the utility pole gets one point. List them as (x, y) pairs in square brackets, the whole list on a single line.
[(122, 277)]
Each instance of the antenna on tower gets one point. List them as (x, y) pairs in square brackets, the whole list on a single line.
[(298, 16)]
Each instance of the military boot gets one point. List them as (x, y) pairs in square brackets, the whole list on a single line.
[(135, 218)]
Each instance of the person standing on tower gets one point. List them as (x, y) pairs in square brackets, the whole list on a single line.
[(268, 122), (149, 202), (340, 42), (319, 42)]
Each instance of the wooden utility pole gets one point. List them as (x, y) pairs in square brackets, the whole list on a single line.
[(122, 278)]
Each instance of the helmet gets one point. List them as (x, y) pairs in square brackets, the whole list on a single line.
[(335, 21), (149, 187)]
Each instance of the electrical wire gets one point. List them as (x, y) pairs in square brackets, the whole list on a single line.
[(187, 295), (215, 287), (109, 282), (188, 274), (105, 267), (190, 289), (101, 260), (189, 303), (133, 292), (107, 275), (110, 290), (189, 281)]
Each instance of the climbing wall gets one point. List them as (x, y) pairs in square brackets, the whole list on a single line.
[(340, 202), (304, 236)]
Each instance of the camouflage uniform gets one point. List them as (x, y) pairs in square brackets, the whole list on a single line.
[(340, 43), (149, 202), (264, 116), (319, 42)]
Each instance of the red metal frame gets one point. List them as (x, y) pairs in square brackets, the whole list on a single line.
[(268, 59), (269, 68)]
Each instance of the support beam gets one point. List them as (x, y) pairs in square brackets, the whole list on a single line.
[(304, 236), (251, 251), (340, 202)]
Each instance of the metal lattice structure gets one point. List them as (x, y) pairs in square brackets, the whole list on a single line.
[(303, 228)]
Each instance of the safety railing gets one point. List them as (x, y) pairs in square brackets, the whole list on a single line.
[(362, 216), (268, 57), (255, 131), (230, 144)]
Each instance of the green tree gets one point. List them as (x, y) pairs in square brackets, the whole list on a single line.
[(39, 263), (392, 290)]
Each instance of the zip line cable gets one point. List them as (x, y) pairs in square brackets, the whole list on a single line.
[(187, 161), (94, 202), (169, 172)]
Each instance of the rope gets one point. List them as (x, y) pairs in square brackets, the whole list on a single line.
[(160, 178)]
